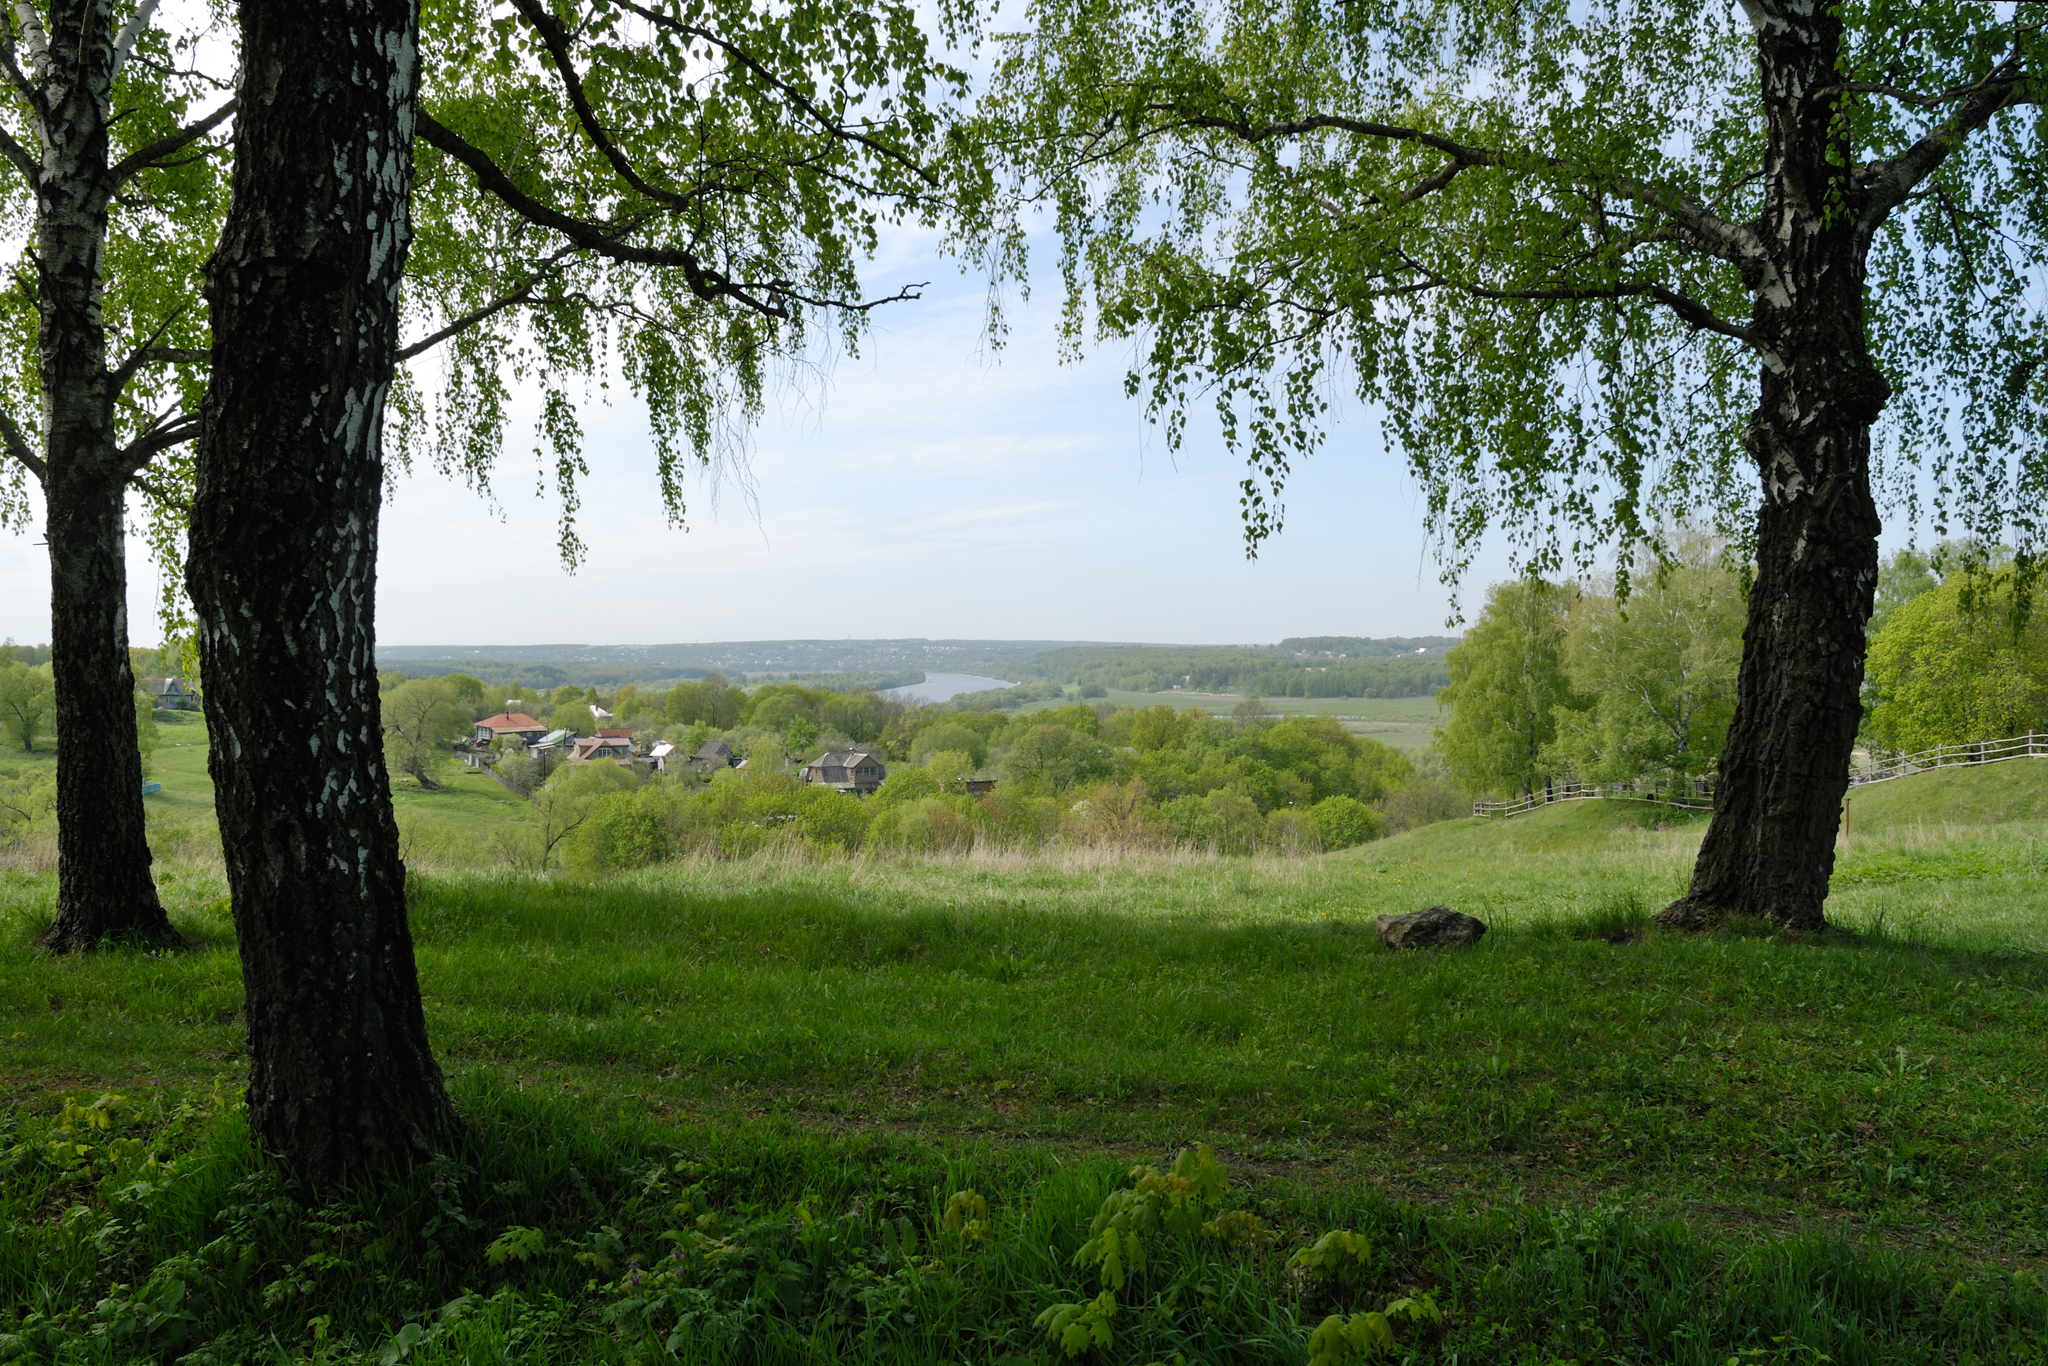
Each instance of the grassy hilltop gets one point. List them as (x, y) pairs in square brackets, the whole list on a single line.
[(723, 1110)]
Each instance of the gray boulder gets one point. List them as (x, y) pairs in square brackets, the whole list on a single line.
[(1432, 927)]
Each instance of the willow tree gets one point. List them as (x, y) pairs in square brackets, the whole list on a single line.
[(699, 184), (1601, 266)]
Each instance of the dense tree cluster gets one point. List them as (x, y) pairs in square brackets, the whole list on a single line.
[(1074, 774), (1955, 658), (1571, 681)]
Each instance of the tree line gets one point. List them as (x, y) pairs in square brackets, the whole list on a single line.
[(1323, 666), (1568, 682)]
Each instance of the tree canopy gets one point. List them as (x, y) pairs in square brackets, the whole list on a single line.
[(1529, 236)]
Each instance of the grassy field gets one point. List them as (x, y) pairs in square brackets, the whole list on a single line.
[(732, 1102), (1403, 722)]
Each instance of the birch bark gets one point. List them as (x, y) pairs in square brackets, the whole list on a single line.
[(1770, 848), (104, 889), (282, 573)]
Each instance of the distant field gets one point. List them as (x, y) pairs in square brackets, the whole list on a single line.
[(1403, 722)]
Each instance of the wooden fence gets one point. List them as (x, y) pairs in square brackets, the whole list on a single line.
[(1698, 795)]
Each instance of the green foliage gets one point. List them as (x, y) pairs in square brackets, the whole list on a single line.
[(1052, 756), (564, 802), (1942, 672), (28, 704), (1902, 577), (515, 1244), (422, 717), (623, 830), (1361, 1337), (951, 735), (1169, 1203), (1342, 821), (1658, 672), (1337, 1260), (650, 204), (1526, 237), (709, 701), (1507, 687), (28, 803), (1077, 1329)]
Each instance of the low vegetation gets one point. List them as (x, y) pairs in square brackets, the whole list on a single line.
[(821, 1108)]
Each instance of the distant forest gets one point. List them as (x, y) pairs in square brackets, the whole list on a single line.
[(1305, 666), (1302, 666)]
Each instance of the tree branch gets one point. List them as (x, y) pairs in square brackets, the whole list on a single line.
[(1700, 228), (1689, 309), (165, 431), (771, 298), (18, 447), (1886, 184), (17, 156), (143, 158), (784, 88), (496, 306), (149, 353), (124, 41), (32, 34)]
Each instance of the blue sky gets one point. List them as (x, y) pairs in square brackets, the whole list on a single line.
[(926, 488)]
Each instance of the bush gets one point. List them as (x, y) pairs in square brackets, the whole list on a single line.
[(951, 735), (1226, 820), (927, 825), (1341, 822), (623, 830), (1292, 830), (1422, 802)]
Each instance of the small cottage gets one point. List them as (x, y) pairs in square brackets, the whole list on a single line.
[(594, 747), (517, 723), (715, 755), (170, 694), (850, 770)]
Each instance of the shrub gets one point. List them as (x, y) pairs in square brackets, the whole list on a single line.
[(927, 825), (1225, 819), (623, 830), (1341, 822), (954, 736), (1422, 802), (1293, 831)]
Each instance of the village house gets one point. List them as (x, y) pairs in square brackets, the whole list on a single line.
[(618, 746), (715, 755), (850, 770), (494, 728), (170, 694)]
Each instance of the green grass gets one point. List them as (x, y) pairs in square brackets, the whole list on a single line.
[(2015, 790), (1590, 1142)]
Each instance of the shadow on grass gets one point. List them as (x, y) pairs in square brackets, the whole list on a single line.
[(577, 1232)]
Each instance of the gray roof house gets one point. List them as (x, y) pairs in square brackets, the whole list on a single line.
[(857, 771)]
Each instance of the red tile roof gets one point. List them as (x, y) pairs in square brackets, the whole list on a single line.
[(517, 720)]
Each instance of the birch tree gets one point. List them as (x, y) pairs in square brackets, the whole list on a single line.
[(1601, 267), (608, 205), (104, 114)]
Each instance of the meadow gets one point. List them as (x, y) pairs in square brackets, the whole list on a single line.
[(868, 1110)]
